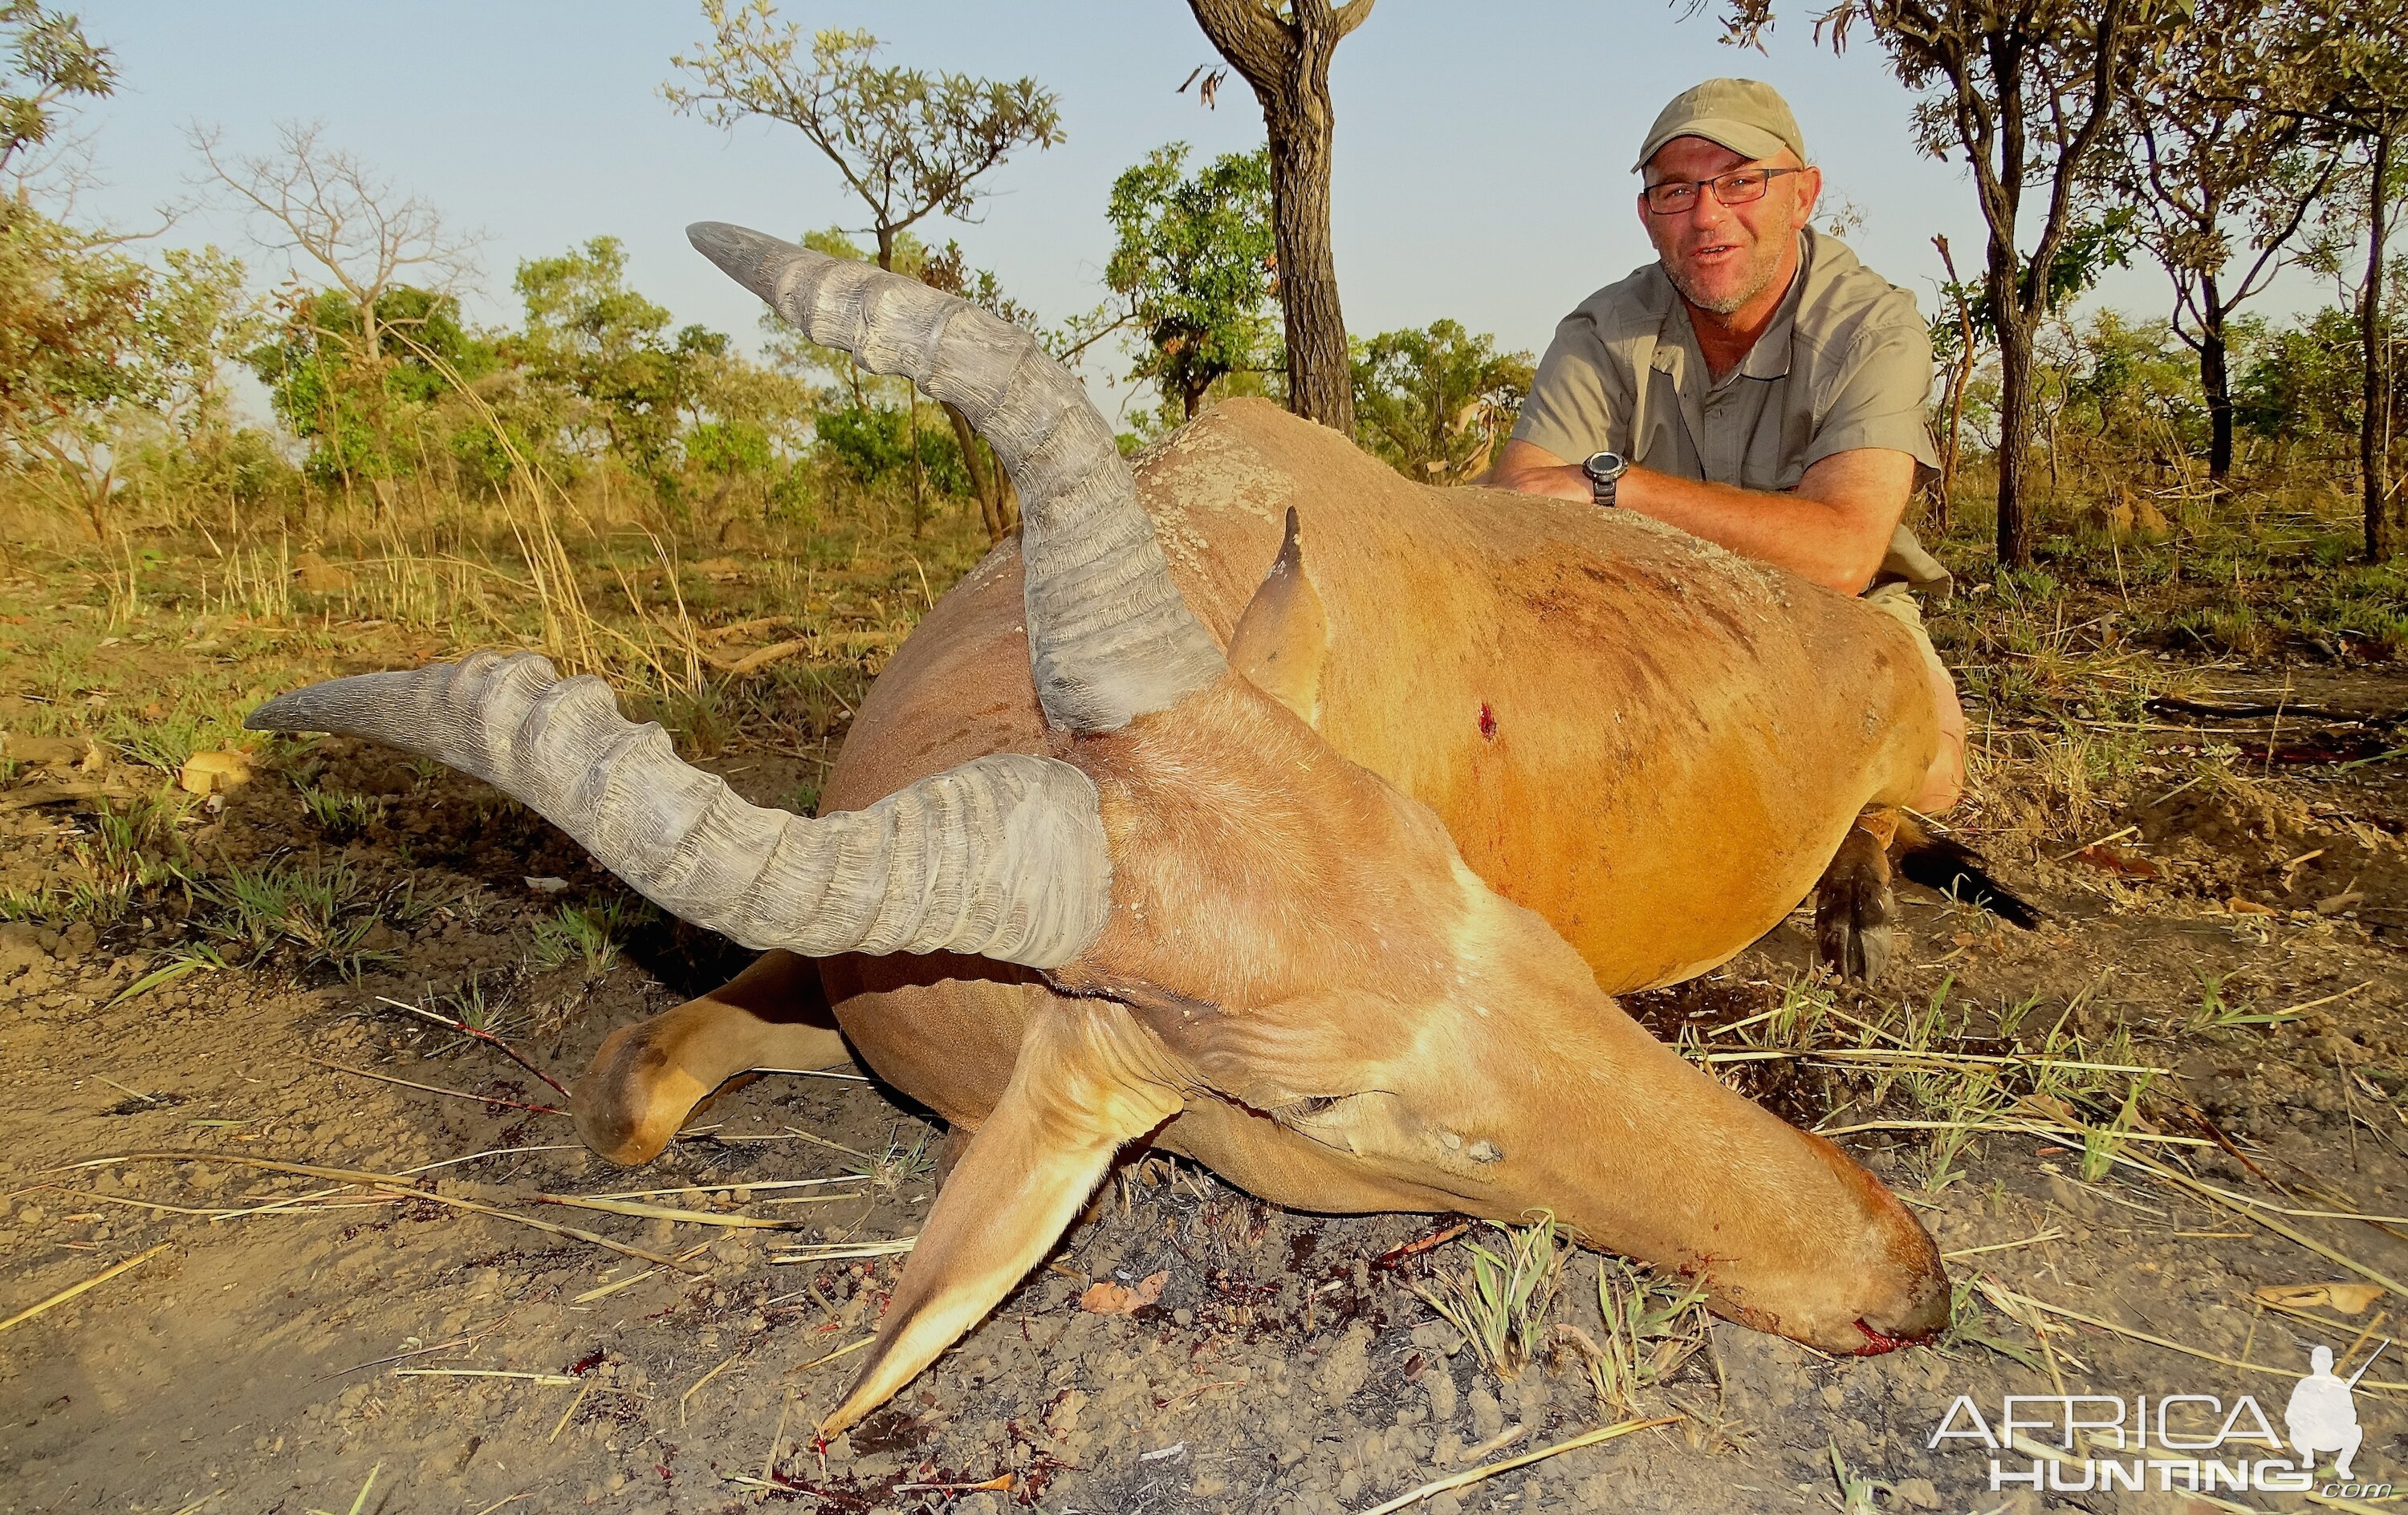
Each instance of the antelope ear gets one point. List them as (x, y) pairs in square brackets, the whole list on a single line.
[(1283, 641), (1076, 1095)]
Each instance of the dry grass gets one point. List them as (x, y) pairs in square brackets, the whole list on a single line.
[(153, 648)]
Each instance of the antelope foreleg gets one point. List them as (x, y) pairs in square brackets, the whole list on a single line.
[(648, 1077), (1077, 1091)]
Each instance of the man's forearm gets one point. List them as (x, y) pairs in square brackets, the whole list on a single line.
[(1556, 480), (1834, 528), (1807, 535)]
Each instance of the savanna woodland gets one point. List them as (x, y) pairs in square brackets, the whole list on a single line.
[(291, 1215)]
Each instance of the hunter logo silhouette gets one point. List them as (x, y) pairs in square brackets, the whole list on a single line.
[(2321, 1415)]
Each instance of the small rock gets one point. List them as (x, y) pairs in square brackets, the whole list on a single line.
[(1916, 1494), (1348, 1366), (1442, 1400), (20, 947), (209, 773), (41, 751), (1063, 1418), (1488, 1416), (313, 573), (2068, 1197)]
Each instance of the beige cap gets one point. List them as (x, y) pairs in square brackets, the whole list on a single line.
[(1746, 114)]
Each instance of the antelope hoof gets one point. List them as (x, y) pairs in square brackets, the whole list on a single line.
[(1855, 911), (634, 1098)]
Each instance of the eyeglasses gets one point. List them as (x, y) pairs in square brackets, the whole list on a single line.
[(1738, 187)]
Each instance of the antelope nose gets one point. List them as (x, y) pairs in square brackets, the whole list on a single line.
[(1924, 1314)]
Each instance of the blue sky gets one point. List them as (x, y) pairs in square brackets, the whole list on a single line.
[(1483, 154)]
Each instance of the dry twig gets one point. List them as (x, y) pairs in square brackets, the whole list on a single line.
[(94, 1282), (1460, 1481), (392, 1181)]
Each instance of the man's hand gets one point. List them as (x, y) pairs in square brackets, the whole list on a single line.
[(1834, 527)]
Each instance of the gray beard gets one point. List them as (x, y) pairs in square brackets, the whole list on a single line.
[(1761, 280)]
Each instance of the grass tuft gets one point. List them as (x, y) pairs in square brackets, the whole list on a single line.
[(899, 1165), (322, 909), (1652, 1327), (588, 935), (1501, 1303), (339, 817)]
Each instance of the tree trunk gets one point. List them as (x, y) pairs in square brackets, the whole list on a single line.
[(2014, 326), (918, 478), (1320, 385), (1284, 53), (2215, 382), (97, 494), (1958, 377), (1959, 383), (2369, 331), (984, 483), (2014, 433)]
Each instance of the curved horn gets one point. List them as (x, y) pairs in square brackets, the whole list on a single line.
[(1003, 857), (1109, 637)]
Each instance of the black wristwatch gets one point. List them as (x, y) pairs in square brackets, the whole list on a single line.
[(1604, 470)]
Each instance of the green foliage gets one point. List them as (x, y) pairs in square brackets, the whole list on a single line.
[(1652, 1327), (2113, 393), (729, 447), (2089, 248), (873, 443), (589, 334), (134, 848), (910, 143), (339, 817), (2307, 379), (350, 404), (900, 1164), (70, 334), (198, 318), (1436, 403), (47, 60), (1194, 257)]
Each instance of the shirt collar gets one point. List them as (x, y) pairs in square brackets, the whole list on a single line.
[(1769, 357)]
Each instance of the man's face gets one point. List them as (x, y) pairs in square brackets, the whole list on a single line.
[(1719, 256)]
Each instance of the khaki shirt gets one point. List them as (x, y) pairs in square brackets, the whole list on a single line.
[(1846, 364)]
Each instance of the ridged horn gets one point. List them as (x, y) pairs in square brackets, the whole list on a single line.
[(1109, 637), (1002, 857)]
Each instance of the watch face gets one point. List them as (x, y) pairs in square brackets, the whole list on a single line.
[(1604, 464)]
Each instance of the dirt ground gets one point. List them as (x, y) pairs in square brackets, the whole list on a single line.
[(336, 1340)]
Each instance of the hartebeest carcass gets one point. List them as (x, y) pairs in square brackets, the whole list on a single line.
[(1323, 879)]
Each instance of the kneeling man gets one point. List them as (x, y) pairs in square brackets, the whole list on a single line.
[(1757, 386)]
